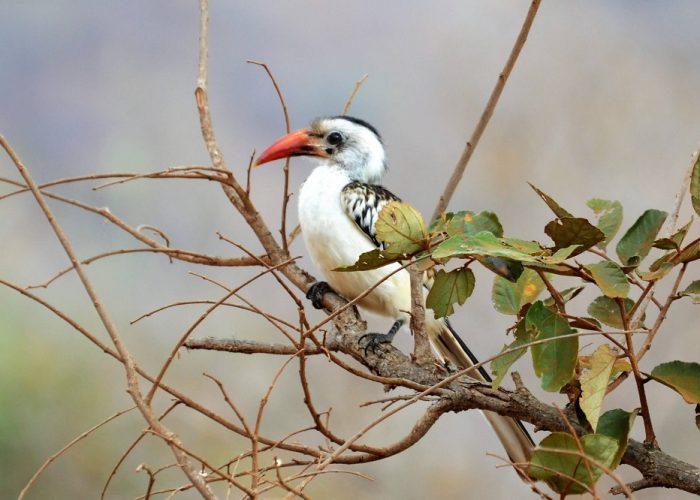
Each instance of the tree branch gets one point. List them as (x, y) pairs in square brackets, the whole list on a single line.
[(487, 113)]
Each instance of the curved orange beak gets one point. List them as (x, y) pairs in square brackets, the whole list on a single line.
[(298, 143)]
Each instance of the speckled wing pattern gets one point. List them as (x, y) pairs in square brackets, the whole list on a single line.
[(362, 203)]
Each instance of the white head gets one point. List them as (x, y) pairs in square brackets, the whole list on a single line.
[(342, 141)]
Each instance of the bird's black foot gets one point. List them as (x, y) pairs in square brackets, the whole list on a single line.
[(316, 293), (372, 341)]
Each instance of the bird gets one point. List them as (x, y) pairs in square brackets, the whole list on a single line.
[(338, 207)]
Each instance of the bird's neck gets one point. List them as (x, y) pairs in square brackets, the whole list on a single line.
[(369, 172)]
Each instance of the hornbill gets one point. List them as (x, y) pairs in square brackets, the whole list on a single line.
[(339, 204)]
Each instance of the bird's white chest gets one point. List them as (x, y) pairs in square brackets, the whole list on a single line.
[(333, 240)]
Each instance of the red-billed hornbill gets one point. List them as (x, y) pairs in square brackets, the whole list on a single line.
[(338, 206)]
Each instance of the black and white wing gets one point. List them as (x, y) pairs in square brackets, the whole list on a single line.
[(363, 202)]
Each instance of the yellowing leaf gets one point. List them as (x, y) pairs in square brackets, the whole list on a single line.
[(663, 270), (691, 252), (695, 186), (609, 278), (594, 382), (681, 376), (401, 228), (675, 241)]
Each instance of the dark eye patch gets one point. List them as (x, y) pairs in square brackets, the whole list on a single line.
[(334, 138)]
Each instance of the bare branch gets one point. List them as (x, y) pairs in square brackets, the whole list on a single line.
[(60, 452), (352, 95), (487, 113), (422, 352), (126, 359), (288, 128)]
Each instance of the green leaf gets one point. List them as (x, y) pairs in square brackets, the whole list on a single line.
[(553, 205), (556, 462), (594, 382), (692, 291), (483, 243), (501, 365), (639, 238), (371, 260), (606, 310), (563, 253), (566, 295), (675, 241), (569, 231), (617, 424), (401, 228), (609, 278), (681, 376), (609, 218), (528, 247), (555, 360), (467, 222), (509, 297), (450, 288), (695, 185)]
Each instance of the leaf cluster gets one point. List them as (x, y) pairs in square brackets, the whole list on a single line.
[(451, 245)]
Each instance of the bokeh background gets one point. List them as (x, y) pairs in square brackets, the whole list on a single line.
[(603, 102)]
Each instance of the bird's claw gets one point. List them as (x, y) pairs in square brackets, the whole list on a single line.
[(373, 341), (316, 293)]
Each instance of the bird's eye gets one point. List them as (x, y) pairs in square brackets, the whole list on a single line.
[(334, 138)]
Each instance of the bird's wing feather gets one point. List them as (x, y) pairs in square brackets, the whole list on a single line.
[(362, 203)]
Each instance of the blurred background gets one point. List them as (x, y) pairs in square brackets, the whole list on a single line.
[(603, 102)]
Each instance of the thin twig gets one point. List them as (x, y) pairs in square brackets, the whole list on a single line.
[(288, 129), (227, 304), (352, 95), (126, 359), (579, 446), (190, 330), (662, 314), (487, 113), (650, 438), (183, 255), (60, 452), (133, 445)]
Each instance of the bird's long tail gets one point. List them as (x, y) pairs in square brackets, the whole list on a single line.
[(515, 439)]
